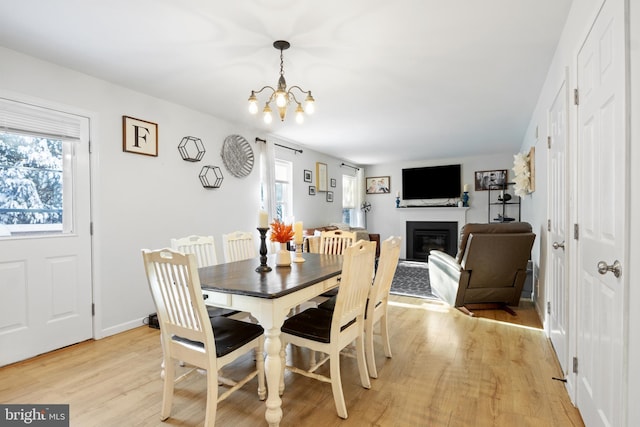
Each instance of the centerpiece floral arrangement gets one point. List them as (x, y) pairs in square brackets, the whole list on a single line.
[(522, 179), (281, 232)]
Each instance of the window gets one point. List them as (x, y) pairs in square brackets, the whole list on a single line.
[(284, 196), (36, 169), (349, 189)]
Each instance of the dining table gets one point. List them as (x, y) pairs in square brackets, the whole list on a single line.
[(269, 296)]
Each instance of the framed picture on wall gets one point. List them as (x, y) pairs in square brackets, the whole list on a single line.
[(139, 136), (312, 190), (321, 176), (333, 182), (307, 176), (378, 185), (329, 196), (494, 178)]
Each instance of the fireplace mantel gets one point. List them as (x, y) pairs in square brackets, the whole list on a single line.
[(429, 213)]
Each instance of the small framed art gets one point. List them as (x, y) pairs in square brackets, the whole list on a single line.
[(494, 178), (139, 136), (312, 190), (333, 182), (329, 196), (378, 185), (307, 176)]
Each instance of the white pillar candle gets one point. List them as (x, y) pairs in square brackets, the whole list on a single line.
[(397, 194), (263, 219), (297, 230), (466, 188)]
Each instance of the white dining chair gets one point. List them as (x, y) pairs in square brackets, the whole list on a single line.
[(330, 331), (190, 335), (336, 241), (238, 245), (203, 247), (378, 300)]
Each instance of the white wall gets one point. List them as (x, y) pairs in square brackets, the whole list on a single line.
[(142, 202), (386, 220)]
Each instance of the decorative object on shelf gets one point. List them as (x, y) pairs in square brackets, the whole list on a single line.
[(312, 190), (504, 197), (263, 267), (282, 96), (465, 196), (397, 200), (522, 181), (378, 184), (298, 239), (282, 233), (486, 179), (191, 149), (329, 196), (333, 182), (237, 155), (321, 176), (211, 176), (139, 136), (307, 176)]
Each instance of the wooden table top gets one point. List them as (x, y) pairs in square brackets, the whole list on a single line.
[(241, 278)]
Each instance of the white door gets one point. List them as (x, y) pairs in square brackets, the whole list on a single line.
[(558, 291), (601, 214), (45, 269)]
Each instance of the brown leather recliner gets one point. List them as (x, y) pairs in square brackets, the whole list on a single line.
[(489, 270)]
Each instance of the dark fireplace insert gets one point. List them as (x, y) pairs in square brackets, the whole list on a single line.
[(424, 236)]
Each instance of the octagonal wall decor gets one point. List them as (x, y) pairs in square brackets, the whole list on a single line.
[(211, 176), (191, 149)]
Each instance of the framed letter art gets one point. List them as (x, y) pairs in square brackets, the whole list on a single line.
[(139, 136), (321, 176)]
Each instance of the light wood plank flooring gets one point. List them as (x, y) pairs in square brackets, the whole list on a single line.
[(448, 369)]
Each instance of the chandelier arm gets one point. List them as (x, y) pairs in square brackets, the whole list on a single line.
[(265, 87), (299, 88)]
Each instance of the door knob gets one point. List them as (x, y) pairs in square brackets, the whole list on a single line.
[(557, 245), (615, 268)]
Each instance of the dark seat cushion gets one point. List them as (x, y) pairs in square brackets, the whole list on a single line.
[(313, 324), (229, 334), (330, 293)]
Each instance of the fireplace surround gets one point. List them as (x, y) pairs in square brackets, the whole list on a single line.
[(424, 236)]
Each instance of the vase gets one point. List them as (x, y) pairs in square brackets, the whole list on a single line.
[(283, 256)]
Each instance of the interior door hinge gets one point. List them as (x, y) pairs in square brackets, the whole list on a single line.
[(93, 309), (576, 97), (549, 142), (91, 228), (576, 231), (548, 225), (575, 365), (549, 307), (89, 146)]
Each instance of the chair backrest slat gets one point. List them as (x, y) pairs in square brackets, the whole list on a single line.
[(238, 245), (336, 241), (387, 264), (356, 279), (203, 247)]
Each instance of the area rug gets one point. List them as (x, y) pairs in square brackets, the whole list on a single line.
[(412, 279)]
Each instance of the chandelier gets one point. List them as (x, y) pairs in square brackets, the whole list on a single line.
[(282, 96)]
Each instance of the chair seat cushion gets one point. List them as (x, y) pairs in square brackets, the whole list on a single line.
[(329, 304), (313, 324), (330, 293), (229, 334)]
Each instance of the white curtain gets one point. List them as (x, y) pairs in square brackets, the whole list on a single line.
[(268, 178), (360, 215)]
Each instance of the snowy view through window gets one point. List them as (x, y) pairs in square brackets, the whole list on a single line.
[(31, 175)]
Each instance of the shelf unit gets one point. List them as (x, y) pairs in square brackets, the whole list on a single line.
[(501, 209)]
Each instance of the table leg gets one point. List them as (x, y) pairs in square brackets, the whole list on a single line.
[(273, 368)]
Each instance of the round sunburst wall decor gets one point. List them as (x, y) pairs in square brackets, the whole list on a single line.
[(237, 156)]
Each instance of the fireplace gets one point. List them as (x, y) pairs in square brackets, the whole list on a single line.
[(424, 236)]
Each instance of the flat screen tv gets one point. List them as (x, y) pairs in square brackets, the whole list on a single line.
[(431, 182)]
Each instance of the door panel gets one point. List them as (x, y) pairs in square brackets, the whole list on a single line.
[(601, 214), (45, 279), (558, 295)]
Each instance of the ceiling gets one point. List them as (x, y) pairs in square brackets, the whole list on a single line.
[(393, 81)]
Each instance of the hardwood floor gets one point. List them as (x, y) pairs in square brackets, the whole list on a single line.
[(448, 369)]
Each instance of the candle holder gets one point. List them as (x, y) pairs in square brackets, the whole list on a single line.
[(263, 267), (298, 257), (397, 201)]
